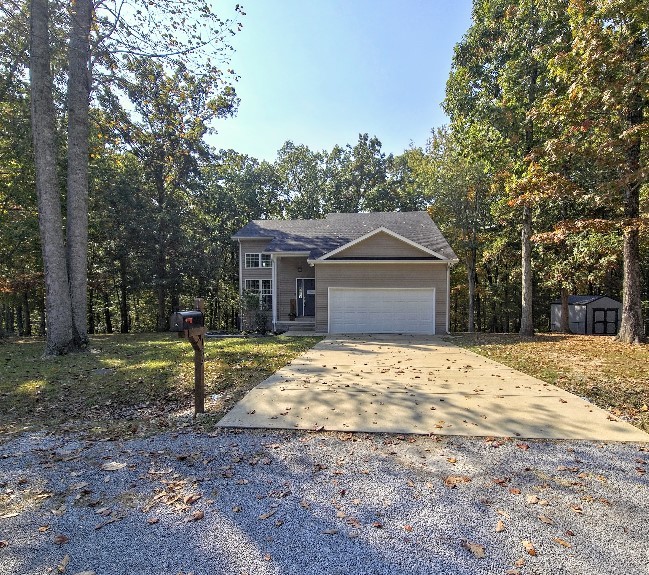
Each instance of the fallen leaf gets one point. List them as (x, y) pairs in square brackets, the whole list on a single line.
[(570, 533), (519, 562), (113, 466), (562, 542), (4, 543), (8, 515), (532, 499), (330, 531), (191, 499), (475, 548), (268, 514), (546, 520), (529, 547), (523, 446), (267, 557), (451, 459), (63, 565), (500, 526), (453, 480), (408, 528), (514, 490), (60, 539), (236, 509), (152, 520), (576, 508), (197, 515), (377, 525)]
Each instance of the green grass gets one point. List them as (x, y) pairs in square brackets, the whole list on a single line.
[(130, 384), (612, 375)]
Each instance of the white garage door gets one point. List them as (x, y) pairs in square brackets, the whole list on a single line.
[(381, 310)]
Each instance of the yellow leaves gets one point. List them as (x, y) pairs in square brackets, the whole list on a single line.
[(529, 548), (474, 548), (453, 480)]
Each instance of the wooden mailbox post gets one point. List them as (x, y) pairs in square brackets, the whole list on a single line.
[(191, 324)]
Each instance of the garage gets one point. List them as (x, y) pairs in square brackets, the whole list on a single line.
[(381, 310)]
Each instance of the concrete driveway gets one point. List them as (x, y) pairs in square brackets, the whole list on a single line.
[(418, 384)]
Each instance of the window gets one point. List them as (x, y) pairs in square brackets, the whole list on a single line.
[(266, 294), (258, 261), (264, 291)]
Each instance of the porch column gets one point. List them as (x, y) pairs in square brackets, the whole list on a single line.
[(275, 262)]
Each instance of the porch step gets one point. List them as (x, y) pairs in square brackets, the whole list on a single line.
[(295, 325)]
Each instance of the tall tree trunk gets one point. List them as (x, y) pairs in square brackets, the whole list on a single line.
[(28, 314), (91, 312), (19, 319), (527, 323), (565, 311), (107, 317), (471, 277), (631, 327), (57, 293), (79, 82), (123, 296)]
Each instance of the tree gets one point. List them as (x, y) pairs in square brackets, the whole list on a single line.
[(601, 119), (499, 73), (141, 30), (165, 131), (78, 103), (59, 308)]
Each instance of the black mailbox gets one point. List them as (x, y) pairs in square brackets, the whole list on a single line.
[(184, 320)]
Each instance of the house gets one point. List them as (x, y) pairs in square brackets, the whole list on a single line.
[(588, 314), (350, 273)]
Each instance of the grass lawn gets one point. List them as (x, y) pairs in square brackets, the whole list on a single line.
[(612, 375), (131, 384)]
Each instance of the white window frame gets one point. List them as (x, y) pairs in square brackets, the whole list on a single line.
[(257, 260), (263, 288)]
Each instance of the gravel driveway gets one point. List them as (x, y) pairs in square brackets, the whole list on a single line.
[(252, 502)]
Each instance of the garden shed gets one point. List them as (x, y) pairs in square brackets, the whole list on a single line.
[(588, 314)]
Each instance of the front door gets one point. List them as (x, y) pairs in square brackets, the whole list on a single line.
[(306, 297)]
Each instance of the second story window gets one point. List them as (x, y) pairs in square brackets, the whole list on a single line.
[(258, 261)]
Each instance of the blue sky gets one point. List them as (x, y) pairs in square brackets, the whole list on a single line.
[(319, 72)]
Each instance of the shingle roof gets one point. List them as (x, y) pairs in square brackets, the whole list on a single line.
[(319, 237), (580, 299)]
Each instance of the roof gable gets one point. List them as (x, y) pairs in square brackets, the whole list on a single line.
[(380, 243)]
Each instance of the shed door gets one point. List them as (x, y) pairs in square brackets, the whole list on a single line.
[(382, 310), (605, 321)]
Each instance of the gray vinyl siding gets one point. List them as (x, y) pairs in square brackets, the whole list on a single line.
[(287, 273), (381, 245), (382, 275), (253, 247)]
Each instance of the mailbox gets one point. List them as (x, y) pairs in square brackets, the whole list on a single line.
[(185, 320)]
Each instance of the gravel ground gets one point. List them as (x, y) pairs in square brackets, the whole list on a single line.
[(302, 503)]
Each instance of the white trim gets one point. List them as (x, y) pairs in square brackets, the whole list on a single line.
[(401, 290), (377, 231), (448, 299), (288, 254), (259, 261), (239, 238), (274, 262), (406, 262), (240, 271)]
